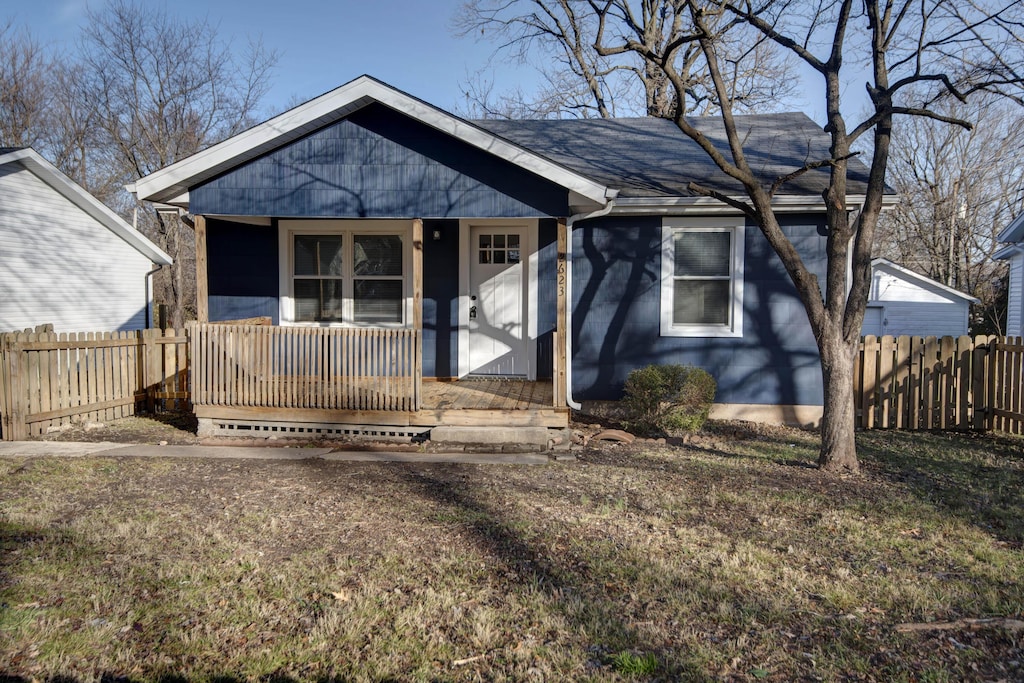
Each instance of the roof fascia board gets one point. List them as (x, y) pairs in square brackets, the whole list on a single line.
[(335, 105), (783, 204), (922, 279), (77, 195)]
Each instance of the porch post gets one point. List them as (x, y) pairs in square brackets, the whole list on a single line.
[(202, 290), (417, 307), (558, 375)]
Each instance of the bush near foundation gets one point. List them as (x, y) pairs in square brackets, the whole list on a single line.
[(668, 399)]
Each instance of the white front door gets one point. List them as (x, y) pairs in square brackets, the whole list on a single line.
[(497, 301)]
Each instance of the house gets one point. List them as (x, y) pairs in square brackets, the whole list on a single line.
[(557, 252), (902, 302), (66, 259), (1013, 237)]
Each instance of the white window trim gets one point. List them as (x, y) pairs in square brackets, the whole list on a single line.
[(669, 228), (287, 229)]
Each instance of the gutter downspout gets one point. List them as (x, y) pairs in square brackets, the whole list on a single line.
[(575, 405)]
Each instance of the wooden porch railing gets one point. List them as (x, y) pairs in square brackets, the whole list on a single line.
[(305, 367)]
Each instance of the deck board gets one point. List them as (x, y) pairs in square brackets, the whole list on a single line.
[(487, 394)]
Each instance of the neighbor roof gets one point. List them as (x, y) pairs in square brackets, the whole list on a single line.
[(1014, 232), (49, 174), (921, 279)]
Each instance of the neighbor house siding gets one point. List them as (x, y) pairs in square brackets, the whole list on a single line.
[(616, 315), (912, 308), (378, 163), (1015, 297), (59, 265)]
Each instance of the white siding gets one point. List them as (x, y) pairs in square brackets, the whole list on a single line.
[(914, 308), (1015, 300), (59, 265)]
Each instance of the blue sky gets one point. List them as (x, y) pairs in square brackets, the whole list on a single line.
[(323, 44)]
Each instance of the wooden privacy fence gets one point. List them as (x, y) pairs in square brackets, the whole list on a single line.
[(47, 379), (940, 383), (305, 367)]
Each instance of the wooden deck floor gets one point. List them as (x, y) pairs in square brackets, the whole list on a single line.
[(487, 394)]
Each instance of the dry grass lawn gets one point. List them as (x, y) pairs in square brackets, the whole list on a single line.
[(732, 559)]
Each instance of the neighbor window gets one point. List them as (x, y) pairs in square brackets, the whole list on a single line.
[(348, 276), (702, 278)]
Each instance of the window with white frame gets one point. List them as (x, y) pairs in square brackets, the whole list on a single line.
[(346, 276), (702, 278)]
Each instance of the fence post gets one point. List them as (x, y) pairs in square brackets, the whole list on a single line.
[(17, 396), (991, 421)]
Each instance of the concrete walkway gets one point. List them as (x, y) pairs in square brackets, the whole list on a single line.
[(74, 449)]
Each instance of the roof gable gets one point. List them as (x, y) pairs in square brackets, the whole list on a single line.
[(379, 163), (172, 183), (922, 281), (73, 192)]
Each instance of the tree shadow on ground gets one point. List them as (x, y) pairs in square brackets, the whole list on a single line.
[(974, 477), (561, 577)]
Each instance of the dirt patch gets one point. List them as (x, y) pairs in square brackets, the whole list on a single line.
[(178, 428)]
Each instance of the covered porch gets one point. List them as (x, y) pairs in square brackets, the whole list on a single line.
[(334, 379)]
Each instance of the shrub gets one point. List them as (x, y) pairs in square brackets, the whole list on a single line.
[(666, 399)]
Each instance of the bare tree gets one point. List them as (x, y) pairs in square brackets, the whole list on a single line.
[(24, 88), (919, 53), (558, 38), (162, 89), (958, 188)]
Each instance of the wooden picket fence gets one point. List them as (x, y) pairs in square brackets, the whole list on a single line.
[(958, 383), (48, 380)]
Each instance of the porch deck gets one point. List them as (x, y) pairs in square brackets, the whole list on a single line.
[(487, 394)]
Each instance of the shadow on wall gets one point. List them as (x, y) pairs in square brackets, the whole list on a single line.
[(616, 322)]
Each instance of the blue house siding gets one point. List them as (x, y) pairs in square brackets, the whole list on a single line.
[(547, 295), (616, 316), (242, 270), (441, 299), (378, 163)]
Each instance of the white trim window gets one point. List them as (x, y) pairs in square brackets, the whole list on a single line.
[(701, 277), (352, 275)]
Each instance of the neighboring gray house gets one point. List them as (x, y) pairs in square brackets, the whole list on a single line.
[(1013, 236), (904, 302), (65, 258)]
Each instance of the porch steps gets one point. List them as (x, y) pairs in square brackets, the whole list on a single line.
[(507, 439)]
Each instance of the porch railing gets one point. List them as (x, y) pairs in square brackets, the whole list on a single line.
[(304, 367)]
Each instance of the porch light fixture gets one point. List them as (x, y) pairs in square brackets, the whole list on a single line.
[(437, 234)]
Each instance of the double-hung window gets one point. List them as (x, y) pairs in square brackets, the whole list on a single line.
[(346, 276), (702, 278)]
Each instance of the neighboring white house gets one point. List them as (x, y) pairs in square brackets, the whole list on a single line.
[(1013, 236), (904, 302), (65, 258)]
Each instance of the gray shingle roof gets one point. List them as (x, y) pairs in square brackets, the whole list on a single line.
[(645, 157), (6, 150)]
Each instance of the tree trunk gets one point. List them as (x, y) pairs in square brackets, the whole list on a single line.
[(838, 444)]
